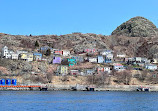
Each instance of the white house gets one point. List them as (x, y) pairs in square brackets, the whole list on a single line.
[(66, 53), (14, 56), (110, 56), (92, 59), (107, 69), (103, 69), (100, 59), (5, 51), (138, 59), (118, 67), (151, 66), (120, 55), (145, 60), (21, 52), (8, 55), (155, 61), (105, 52), (90, 71)]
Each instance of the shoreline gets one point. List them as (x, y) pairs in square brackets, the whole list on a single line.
[(84, 88)]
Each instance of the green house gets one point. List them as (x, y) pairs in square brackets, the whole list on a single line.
[(72, 62)]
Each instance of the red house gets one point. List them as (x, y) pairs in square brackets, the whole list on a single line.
[(58, 52)]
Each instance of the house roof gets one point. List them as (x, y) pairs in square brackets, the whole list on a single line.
[(151, 65), (117, 64), (37, 54)]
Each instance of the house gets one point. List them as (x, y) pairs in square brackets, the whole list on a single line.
[(92, 59), (23, 56), (62, 70), (145, 60), (72, 62), (58, 52), (15, 56), (105, 52), (52, 50), (44, 49), (108, 60), (78, 58), (107, 69), (37, 56), (90, 50), (5, 51), (101, 70), (130, 60), (56, 60), (8, 55), (66, 53), (27, 56), (138, 59), (151, 66), (21, 52), (74, 72), (155, 61), (100, 59), (120, 55), (110, 56), (118, 67), (89, 71)]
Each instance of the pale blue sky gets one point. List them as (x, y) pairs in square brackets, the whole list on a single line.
[(40, 17)]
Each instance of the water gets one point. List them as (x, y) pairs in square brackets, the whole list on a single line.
[(78, 101)]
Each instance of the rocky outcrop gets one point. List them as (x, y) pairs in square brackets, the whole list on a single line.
[(136, 27)]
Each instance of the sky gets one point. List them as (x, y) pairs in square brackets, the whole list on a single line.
[(59, 17)]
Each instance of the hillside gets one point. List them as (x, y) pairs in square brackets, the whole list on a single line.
[(134, 38)]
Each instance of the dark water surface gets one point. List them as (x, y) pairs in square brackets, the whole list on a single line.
[(78, 101)]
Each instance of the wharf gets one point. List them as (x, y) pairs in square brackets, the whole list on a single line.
[(22, 87)]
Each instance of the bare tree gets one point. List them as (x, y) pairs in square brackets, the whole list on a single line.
[(123, 77)]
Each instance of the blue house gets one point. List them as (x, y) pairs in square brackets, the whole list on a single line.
[(100, 59), (72, 62), (78, 58), (108, 60), (44, 49), (37, 56)]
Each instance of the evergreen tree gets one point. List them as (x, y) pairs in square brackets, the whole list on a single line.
[(36, 44), (48, 52)]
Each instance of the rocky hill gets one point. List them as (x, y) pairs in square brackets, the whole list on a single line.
[(136, 27), (136, 37)]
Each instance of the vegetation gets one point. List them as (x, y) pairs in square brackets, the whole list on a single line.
[(123, 77), (48, 52), (36, 44)]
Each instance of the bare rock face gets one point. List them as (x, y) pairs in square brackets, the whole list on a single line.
[(136, 27)]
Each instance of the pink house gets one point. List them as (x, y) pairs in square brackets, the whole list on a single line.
[(90, 50)]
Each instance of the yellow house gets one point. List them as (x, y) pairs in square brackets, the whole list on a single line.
[(63, 70), (27, 56), (24, 56)]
